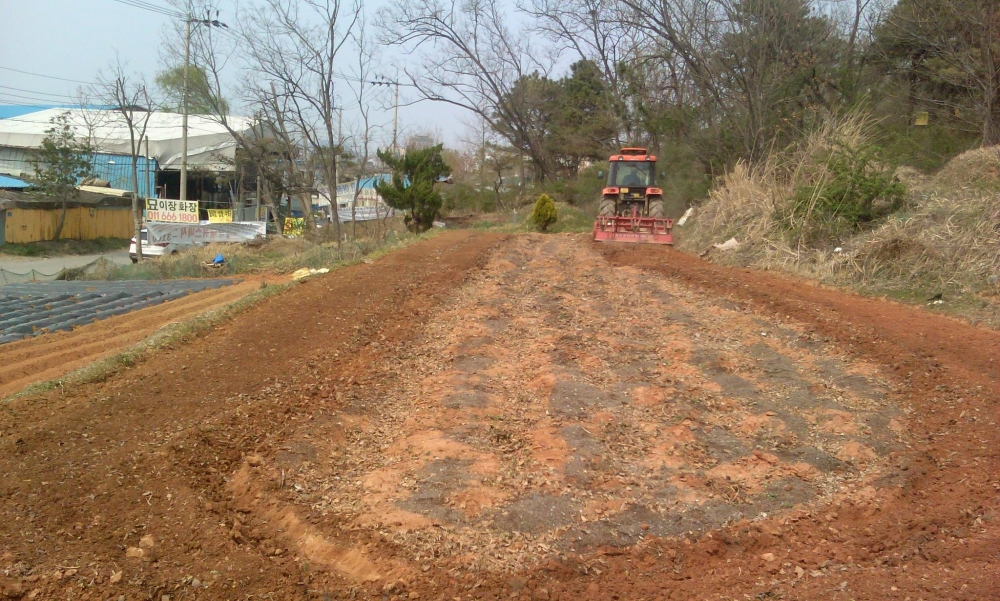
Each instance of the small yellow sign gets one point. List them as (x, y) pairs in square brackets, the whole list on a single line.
[(922, 118), (220, 215), (624, 190)]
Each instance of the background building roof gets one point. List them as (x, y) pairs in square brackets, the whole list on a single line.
[(210, 145), (10, 183)]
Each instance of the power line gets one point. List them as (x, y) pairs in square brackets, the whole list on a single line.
[(46, 76), (22, 97), (4, 102), (37, 92), (142, 4)]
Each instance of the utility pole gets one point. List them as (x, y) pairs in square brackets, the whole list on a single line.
[(184, 109), (336, 154), (149, 187), (383, 81), (395, 117)]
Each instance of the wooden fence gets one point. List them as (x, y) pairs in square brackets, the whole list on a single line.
[(36, 225)]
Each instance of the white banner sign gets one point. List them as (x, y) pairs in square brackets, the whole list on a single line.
[(364, 213), (345, 192), (366, 196), (205, 232), (171, 211)]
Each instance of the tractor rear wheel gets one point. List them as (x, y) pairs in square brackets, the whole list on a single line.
[(656, 210), (607, 207)]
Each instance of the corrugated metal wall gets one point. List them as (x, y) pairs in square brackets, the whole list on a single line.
[(36, 225), (14, 161), (115, 168)]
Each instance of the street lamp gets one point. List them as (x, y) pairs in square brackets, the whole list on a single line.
[(184, 119)]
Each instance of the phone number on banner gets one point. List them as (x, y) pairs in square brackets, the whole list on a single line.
[(172, 211)]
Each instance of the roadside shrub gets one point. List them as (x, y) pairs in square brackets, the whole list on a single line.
[(855, 187), (545, 213)]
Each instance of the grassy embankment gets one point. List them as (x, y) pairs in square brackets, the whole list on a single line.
[(943, 238)]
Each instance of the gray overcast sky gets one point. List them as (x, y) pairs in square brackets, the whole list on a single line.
[(74, 39)]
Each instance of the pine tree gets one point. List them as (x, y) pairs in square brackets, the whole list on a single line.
[(411, 190)]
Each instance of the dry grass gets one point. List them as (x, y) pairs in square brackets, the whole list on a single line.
[(945, 243), (277, 255), (755, 203), (946, 239), (977, 170), (949, 241)]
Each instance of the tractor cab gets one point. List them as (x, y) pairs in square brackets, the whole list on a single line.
[(633, 168)]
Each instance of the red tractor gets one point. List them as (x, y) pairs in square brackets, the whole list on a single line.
[(632, 205)]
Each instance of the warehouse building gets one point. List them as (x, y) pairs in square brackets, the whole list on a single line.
[(211, 149)]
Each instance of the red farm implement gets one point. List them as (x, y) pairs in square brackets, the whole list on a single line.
[(634, 228)]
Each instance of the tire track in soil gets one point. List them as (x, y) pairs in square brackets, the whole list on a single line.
[(150, 459), (50, 356)]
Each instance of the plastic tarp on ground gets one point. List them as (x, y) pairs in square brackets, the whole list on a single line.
[(210, 145), (36, 308)]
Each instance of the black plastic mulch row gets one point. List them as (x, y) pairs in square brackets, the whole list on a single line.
[(34, 308)]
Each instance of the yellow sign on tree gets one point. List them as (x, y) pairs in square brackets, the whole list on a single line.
[(922, 118), (294, 227)]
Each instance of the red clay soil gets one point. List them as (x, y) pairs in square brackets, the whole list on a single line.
[(479, 417)]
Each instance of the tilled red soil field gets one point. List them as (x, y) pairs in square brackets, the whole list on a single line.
[(480, 417)]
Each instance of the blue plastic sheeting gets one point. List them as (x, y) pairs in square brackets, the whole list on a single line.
[(11, 183), (32, 309), (11, 111), (114, 168), (369, 182)]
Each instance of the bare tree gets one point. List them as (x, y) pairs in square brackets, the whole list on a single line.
[(595, 30), (132, 107), (855, 22), (259, 149), (363, 130), (295, 46), (474, 60), (690, 29)]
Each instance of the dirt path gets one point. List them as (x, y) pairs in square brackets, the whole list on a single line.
[(50, 356), (540, 417)]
